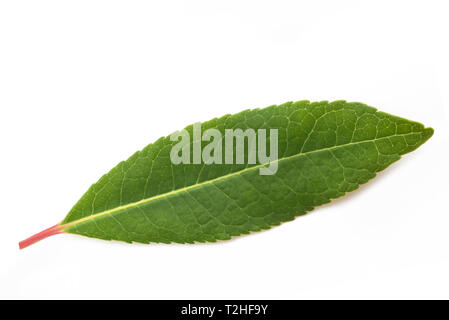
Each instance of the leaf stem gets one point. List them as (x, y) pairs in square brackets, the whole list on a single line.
[(41, 235)]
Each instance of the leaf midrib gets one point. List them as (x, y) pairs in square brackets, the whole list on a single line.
[(198, 185)]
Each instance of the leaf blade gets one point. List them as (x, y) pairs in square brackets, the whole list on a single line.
[(326, 150)]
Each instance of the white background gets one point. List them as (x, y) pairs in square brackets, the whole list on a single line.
[(84, 84)]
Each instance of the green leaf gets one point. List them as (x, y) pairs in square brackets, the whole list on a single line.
[(324, 151)]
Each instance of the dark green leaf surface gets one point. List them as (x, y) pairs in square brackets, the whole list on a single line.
[(325, 150)]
